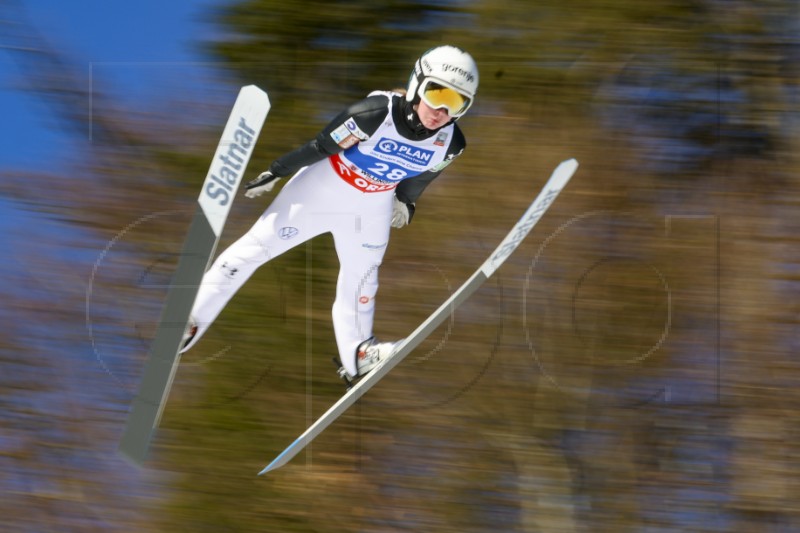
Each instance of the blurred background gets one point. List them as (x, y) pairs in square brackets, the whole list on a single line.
[(631, 368)]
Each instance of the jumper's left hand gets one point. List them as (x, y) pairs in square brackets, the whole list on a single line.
[(401, 213)]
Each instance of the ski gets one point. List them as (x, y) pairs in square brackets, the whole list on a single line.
[(558, 180), (216, 197)]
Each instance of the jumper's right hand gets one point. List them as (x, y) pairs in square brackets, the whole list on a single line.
[(263, 183)]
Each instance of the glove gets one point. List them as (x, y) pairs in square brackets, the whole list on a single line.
[(263, 183), (401, 213)]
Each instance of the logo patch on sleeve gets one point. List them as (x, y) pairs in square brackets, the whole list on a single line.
[(348, 134), (447, 160), (351, 125)]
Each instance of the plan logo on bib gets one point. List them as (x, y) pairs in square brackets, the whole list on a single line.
[(406, 152)]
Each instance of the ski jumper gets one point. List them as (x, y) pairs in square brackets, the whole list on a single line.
[(344, 183)]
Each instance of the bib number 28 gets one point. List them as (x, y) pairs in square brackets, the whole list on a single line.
[(389, 172)]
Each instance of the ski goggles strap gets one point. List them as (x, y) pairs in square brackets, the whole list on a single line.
[(437, 96)]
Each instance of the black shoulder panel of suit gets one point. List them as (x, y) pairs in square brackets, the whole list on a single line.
[(409, 190), (368, 115)]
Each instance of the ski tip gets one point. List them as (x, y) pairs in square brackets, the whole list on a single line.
[(570, 163), (253, 88)]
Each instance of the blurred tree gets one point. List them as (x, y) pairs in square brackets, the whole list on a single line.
[(350, 47)]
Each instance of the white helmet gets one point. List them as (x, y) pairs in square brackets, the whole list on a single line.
[(445, 76)]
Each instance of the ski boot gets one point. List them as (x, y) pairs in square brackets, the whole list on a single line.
[(371, 352), (188, 335), (368, 354)]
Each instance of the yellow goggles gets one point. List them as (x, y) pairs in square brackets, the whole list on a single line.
[(438, 96)]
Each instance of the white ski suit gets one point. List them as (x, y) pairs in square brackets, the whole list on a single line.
[(344, 183)]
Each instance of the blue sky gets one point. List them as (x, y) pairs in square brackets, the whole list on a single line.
[(136, 48)]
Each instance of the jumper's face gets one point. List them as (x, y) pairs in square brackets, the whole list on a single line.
[(432, 118)]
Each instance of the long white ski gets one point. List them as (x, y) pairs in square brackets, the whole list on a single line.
[(560, 177), (213, 205)]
